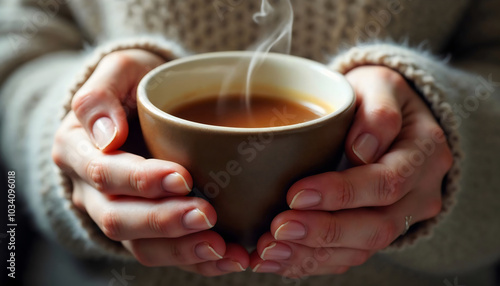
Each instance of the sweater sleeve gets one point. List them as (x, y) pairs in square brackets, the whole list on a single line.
[(464, 96), (39, 75)]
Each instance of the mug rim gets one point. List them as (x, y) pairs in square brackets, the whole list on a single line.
[(143, 98)]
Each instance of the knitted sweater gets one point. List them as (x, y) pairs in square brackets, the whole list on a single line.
[(49, 48)]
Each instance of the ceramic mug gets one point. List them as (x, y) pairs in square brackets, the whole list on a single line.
[(245, 172)]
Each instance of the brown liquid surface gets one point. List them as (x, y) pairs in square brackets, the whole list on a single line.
[(233, 111)]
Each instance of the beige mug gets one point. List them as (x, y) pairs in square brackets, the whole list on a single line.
[(245, 172)]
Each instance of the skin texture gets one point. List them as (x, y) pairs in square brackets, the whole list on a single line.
[(125, 194), (339, 218), (363, 209)]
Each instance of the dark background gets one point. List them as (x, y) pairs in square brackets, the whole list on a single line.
[(25, 233)]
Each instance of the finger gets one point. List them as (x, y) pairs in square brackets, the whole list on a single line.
[(118, 172), (421, 148), (99, 103), (235, 260), (290, 254), (127, 218), (378, 118), (190, 249), (365, 229), (258, 265), (362, 186), (420, 141), (307, 261)]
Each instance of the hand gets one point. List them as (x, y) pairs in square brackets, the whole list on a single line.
[(139, 202), (340, 219)]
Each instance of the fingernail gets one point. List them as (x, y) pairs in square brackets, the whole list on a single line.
[(197, 220), (175, 183), (228, 265), (290, 230), (206, 252), (276, 251), (305, 199), (104, 131), (267, 267), (365, 147)]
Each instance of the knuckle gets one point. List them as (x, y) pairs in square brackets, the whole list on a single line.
[(444, 155), (77, 201), (79, 102), (110, 224), (176, 254), (56, 155), (139, 179), (120, 59), (157, 223), (392, 76), (346, 192), (332, 234), (97, 174), (83, 102), (447, 159), (437, 133), (383, 235), (390, 186), (439, 137), (388, 116)]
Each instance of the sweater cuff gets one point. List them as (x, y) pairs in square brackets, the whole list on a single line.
[(100, 244), (420, 69), (168, 50)]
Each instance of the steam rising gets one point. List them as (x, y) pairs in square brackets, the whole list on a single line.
[(279, 37), (277, 23)]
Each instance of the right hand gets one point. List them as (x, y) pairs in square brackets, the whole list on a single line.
[(139, 202)]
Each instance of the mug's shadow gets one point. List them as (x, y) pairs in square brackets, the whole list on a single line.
[(135, 143)]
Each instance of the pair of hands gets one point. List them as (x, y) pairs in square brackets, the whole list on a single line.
[(337, 219)]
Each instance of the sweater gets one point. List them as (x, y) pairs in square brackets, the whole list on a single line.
[(448, 50)]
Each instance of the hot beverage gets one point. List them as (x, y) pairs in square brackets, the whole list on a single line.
[(302, 110), (235, 111)]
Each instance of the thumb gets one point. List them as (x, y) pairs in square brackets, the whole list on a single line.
[(378, 118), (99, 104)]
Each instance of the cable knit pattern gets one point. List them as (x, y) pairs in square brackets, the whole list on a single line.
[(56, 65)]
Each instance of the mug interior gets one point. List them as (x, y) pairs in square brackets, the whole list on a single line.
[(188, 79)]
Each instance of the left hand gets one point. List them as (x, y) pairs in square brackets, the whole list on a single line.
[(339, 219)]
